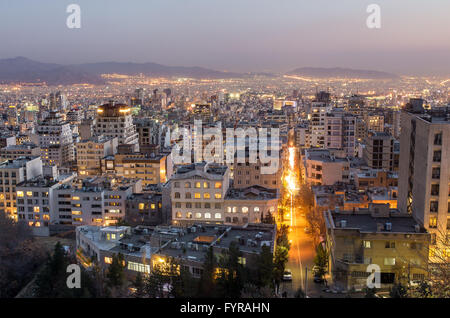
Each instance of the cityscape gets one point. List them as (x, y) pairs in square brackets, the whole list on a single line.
[(133, 179)]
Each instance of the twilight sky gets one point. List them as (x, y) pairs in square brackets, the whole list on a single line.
[(234, 35)]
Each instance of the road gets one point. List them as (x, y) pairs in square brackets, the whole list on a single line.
[(301, 256)]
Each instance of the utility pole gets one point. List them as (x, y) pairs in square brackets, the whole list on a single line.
[(306, 280)]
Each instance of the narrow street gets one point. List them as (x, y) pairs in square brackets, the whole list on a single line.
[(302, 252)]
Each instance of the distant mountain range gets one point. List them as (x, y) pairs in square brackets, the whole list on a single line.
[(21, 69), (321, 72)]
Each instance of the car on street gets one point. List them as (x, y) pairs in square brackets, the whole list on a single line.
[(287, 275), (318, 279)]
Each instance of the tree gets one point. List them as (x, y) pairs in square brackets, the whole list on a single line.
[(370, 292), (184, 285), (231, 274), (321, 260), (207, 284), (20, 256), (398, 291), (265, 267), (139, 286), (115, 276)]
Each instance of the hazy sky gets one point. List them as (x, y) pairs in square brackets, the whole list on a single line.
[(234, 35)]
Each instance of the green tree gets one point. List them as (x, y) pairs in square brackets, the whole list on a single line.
[(321, 260), (398, 291), (115, 276), (231, 277), (139, 285), (370, 292), (207, 286), (265, 267)]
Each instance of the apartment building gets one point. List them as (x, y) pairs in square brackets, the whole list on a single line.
[(340, 131), (22, 150), (323, 167), (96, 201), (250, 205), (55, 141), (144, 209), (115, 120), (13, 172), (381, 151), (36, 202), (424, 176), (389, 239), (197, 193), (147, 248), (90, 153)]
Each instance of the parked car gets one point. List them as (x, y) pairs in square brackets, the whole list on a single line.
[(287, 275), (318, 279)]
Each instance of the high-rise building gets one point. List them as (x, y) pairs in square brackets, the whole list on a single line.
[(90, 153), (12, 172), (340, 131), (424, 178), (379, 151), (55, 141), (115, 120)]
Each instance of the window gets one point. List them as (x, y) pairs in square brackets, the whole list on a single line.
[(178, 215), (434, 206), (433, 222), (206, 185), (139, 267), (36, 209), (390, 245), (187, 195), (29, 193), (198, 185), (435, 189), (390, 261), (207, 215), (438, 139), (73, 198), (218, 185), (218, 216), (189, 215), (218, 195), (367, 244), (198, 215), (20, 194), (206, 195), (244, 209), (178, 205), (219, 206), (108, 260), (197, 195), (141, 206), (176, 185), (256, 209), (187, 185)]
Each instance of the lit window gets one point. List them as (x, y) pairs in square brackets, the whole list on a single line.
[(29, 193), (36, 209), (256, 209), (229, 209), (218, 185), (366, 244), (197, 195), (206, 185), (207, 215), (113, 236), (234, 209), (218, 216), (76, 212), (75, 198), (198, 215), (206, 195), (152, 206), (198, 184), (108, 260), (189, 215), (244, 209), (20, 193), (218, 195), (389, 261), (178, 215), (141, 206)]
